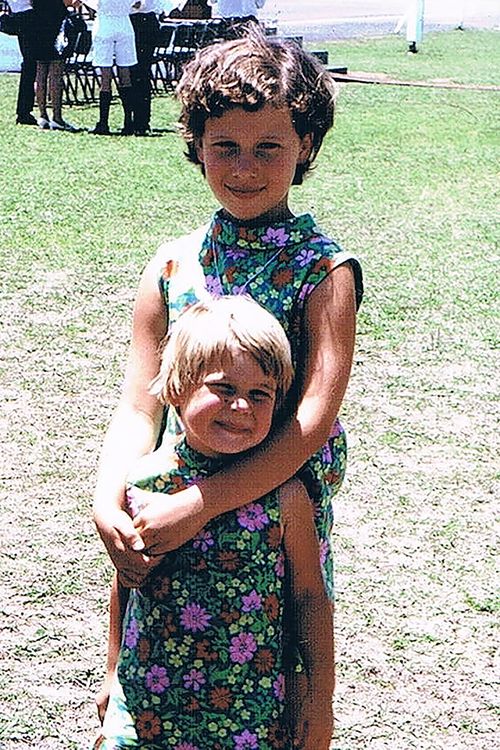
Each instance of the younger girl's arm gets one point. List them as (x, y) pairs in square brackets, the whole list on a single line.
[(330, 319), (117, 605), (311, 622)]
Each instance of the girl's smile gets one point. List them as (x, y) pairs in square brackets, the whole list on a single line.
[(232, 410), (250, 160)]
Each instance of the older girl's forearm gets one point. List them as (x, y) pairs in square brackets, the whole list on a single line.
[(276, 461), (131, 434), (330, 324)]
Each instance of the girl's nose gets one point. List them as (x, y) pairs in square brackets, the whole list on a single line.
[(240, 404), (244, 164)]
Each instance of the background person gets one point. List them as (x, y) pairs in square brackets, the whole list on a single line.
[(144, 18), (48, 16), (26, 36), (113, 41)]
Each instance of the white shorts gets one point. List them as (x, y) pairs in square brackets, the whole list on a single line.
[(113, 41)]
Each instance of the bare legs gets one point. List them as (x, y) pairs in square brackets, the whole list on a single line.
[(55, 89), (42, 74), (49, 77)]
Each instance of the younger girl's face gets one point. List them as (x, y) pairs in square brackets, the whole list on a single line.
[(250, 160), (231, 410)]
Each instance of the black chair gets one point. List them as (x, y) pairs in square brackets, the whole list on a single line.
[(81, 81), (162, 66)]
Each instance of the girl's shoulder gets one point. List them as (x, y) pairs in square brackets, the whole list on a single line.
[(329, 255), (178, 272), (173, 250)]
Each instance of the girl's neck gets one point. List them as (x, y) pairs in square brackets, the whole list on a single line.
[(276, 216), (202, 454)]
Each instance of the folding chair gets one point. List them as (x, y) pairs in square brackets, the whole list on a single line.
[(81, 81), (162, 64)]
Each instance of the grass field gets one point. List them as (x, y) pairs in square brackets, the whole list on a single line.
[(408, 179)]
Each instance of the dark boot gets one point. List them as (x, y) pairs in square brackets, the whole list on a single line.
[(126, 95), (102, 127), (142, 116), (141, 103)]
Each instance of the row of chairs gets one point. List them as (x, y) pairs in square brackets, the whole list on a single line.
[(177, 42)]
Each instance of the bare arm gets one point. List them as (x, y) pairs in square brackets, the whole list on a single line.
[(330, 329), (312, 625), (132, 433), (117, 605)]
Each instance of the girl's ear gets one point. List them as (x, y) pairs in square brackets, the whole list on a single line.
[(199, 150), (175, 401), (306, 145)]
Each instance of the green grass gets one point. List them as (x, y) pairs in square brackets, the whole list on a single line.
[(462, 57), (408, 179)]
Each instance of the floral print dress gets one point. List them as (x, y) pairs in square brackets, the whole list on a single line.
[(200, 664), (279, 266)]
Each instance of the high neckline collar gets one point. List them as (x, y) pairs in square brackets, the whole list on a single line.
[(193, 459), (289, 231)]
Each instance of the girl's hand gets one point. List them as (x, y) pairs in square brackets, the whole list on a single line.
[(125, 547), (102, 697), (165, 525)]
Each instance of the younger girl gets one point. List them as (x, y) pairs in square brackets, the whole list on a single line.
[(202, 662), (254, 114)]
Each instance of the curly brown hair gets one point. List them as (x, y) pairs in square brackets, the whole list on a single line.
[(250, 72)]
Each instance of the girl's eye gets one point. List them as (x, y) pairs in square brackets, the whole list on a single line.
[(223, 389), (260, 396), (268, 147), (226, 147)]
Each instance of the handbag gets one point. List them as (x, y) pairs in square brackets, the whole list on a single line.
[(9, 24), (71, 27)]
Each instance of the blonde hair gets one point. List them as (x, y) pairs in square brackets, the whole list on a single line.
[(204, 336), (250, 72)]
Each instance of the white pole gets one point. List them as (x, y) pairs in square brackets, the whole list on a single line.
[(415, 24), (461, 24)]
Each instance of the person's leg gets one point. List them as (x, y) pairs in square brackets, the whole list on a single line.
[(146, 34), (42, 73), (106, 79), (126, 57), (102, 126), (55, 89), (56, 70), (26, 90), (126, 94)]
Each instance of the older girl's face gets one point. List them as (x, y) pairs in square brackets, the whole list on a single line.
[(250, 160)]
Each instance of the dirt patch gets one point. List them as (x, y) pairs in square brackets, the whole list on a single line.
[(414, 538)]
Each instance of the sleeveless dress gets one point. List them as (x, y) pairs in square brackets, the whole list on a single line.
[(201, 662), (200, 665), (279, 266)]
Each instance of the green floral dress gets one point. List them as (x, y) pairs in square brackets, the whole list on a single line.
[(200, 664), (279, 266)]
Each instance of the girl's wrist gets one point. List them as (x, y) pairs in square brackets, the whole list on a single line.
[(198, 500), (210, 499)]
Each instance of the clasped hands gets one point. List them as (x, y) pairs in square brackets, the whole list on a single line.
[(138, 545)]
